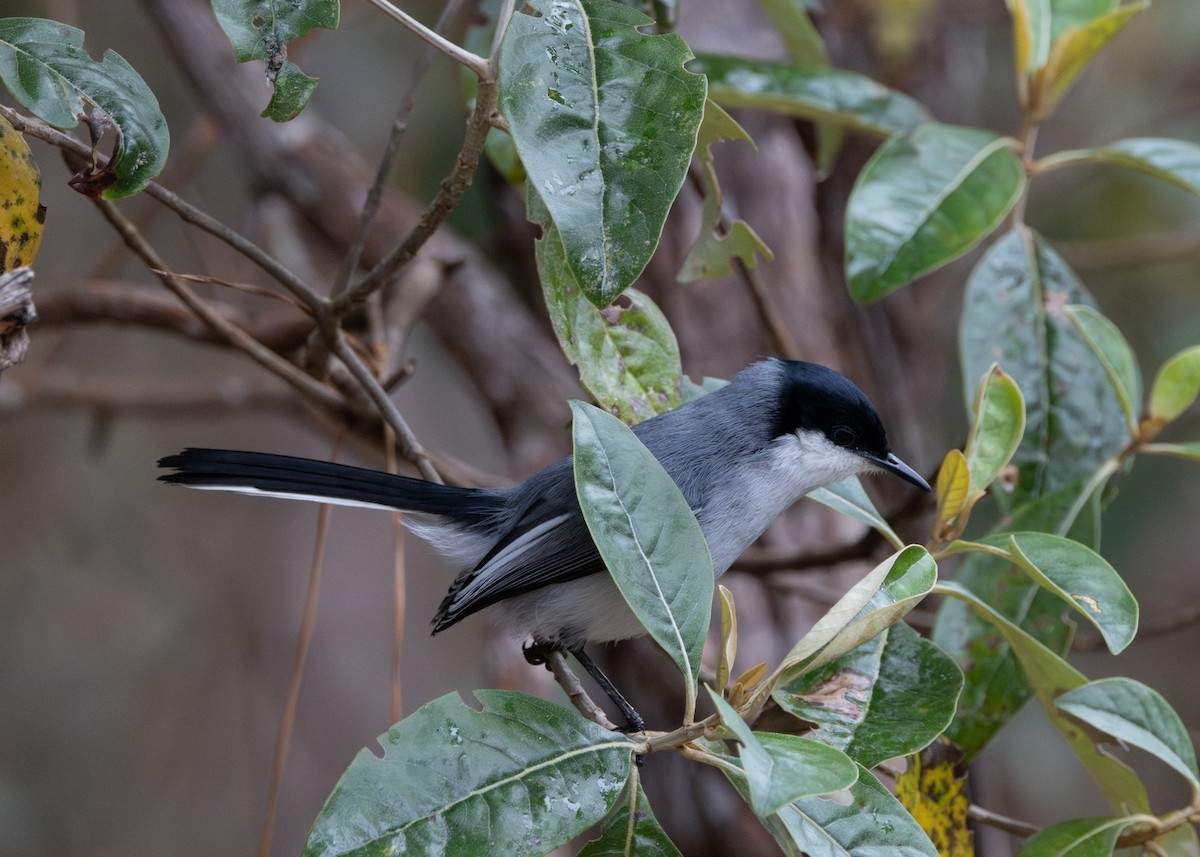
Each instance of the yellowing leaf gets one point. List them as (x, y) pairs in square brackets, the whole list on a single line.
[(21, 213), (953, 483), (934, 793), (1176, 386), (728, 637)]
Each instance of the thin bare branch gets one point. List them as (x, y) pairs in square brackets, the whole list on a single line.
[(556, 662), (448, 196), (475, 63), (237, 337), (287, 720)]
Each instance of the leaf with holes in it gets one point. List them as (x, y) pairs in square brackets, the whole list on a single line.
[(647, 534), (261, 30), (605, 119), (44, 65), (924, 199), (21, 212), (450, 777)]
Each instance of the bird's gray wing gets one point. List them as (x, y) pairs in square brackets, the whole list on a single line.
[(541, 549)]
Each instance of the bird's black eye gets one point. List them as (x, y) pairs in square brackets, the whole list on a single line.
[(843, 436)]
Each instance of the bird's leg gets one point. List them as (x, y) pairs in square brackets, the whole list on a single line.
[(633, 720)]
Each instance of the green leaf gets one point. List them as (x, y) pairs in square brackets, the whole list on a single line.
[(261, 29), (866, 605), (995, 689), (1080, 577), (849, 498), (647, 535), (627, 355), (1071, 53), (1115, 355), (605, 120), (924, 199), (1176, 162), (1014, 313), (1136, 715), (1050, 676), (451, 779), (1083, 837), (872, 824), (889, 697), (632, 834), (711, 257), (815, 92), (997, 427), (790, 20), (44, 65), (1176, 386), (782, 768), (1050, 19)]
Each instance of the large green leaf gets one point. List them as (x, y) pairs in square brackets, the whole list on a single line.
[(1050, 676), (782, 768), (1080, 577), (648, 536), (632, 832), (995, 690), (816, 92), (1138, 716), (522, 776), (924, 199), (1176, 162), (889, 697), (871, 824), (44, 65), (1014, 313), (627, 355), (605, 120), (261, 29), (1082, 837)]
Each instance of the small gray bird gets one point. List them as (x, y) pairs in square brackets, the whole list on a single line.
[(741, 455)]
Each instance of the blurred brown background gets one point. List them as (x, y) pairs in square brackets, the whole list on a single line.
[(147, 635)]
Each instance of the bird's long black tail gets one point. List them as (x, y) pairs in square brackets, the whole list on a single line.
[(322, 481)]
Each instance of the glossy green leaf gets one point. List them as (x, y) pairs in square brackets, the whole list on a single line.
[(1176, 386), (627, 355), (782, 768), (1083, 837), (871, 824), (1071, 53), (1138, 716), (995, 690), (819, 93), (1080, 577), (1014, 313), (1049, 676), (635, 833), (887, 698), (45, 67), (605, 120), (711, 257), (1176, 162), (261, 30), (647, 535), (1115, 355), (849, 498), (450, 778), (924, 199), (997, 427)]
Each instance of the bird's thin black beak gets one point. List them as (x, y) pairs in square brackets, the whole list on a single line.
[(894, 465)]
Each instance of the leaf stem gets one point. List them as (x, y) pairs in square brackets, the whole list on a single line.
[(472, 61)]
